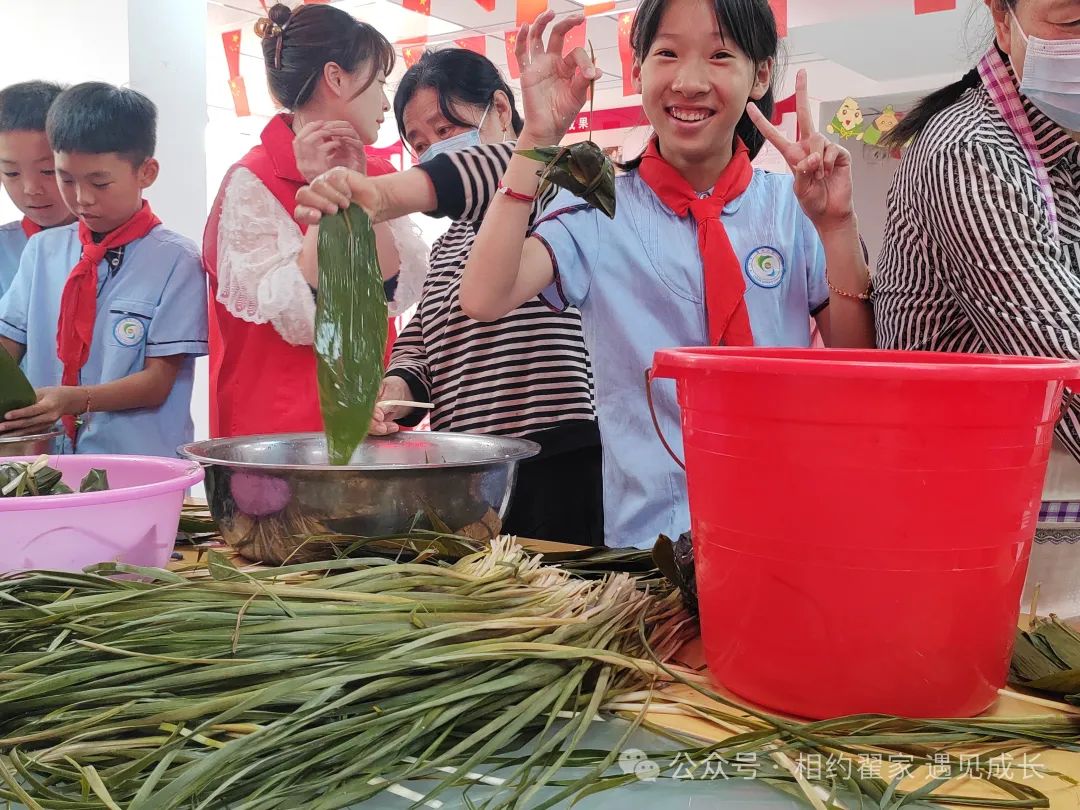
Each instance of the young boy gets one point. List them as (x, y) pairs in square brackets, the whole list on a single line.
[(110, 312), (26, 170)]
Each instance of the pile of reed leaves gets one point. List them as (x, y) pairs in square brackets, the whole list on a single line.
[(289, 689), (317, 686), (1046, 657)]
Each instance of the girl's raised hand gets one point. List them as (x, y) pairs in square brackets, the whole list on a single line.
[(322, 145), (554, 87), (333, 191), (822, 168)]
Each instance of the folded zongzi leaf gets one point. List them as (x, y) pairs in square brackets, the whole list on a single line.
[(15, 390), (350, 330), (95, 481), (582, 169)]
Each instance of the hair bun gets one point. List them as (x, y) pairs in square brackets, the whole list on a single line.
[(279, 14), (271, 26)]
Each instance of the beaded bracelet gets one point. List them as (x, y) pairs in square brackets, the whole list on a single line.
[(853, 296)]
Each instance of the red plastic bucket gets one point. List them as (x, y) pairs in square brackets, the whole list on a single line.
[(862, 520)]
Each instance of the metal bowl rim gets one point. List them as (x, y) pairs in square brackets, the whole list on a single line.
[(36, 437), (525, 449)]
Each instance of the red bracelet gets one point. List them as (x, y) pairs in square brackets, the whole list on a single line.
[(516, 195)]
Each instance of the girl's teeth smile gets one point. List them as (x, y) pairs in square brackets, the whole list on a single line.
[(689, 116)]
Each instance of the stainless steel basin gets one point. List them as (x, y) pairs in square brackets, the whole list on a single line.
[(277, 500)]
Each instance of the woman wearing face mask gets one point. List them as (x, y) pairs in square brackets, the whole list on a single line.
[(525, 375), (982, 249), (329, 71)]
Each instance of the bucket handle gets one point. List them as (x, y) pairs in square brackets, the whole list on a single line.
[(656, 420)]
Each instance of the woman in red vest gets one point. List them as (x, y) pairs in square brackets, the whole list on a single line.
[(329, 70)]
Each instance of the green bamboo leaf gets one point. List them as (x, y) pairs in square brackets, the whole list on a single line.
[(350, 330), (15, 390)]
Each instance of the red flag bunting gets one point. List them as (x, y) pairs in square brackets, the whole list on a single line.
[(511, 58), (529, 10), (475, 44), (780, 9), (782, 108), (231, 41), (575, 38), (419, 6), (411, 54), (931, 6), (239, 96), (599, 7), (487, 5), (626, 52)]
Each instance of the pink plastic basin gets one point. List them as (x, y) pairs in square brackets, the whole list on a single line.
[(134, 522)]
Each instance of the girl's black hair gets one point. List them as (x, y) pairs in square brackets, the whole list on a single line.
[(458, 76), (297, 45), (751, 26), (915, 121)]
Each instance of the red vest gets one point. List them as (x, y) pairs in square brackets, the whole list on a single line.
[(258, 382)]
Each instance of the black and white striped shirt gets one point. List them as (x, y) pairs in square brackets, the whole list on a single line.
[(524, 373), (970, 263)]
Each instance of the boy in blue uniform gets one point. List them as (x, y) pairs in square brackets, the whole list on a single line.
[(109, 312), (26, 170)]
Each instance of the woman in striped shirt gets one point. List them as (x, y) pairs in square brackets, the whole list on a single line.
[(982, 246), (526, 375)]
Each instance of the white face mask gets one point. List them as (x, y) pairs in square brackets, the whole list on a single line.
[(463, 140), (1052, 78)]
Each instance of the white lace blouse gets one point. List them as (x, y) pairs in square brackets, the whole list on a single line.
[(258, 271)]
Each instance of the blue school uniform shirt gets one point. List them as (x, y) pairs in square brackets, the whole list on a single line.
[(151, 303), (638, 281), (12, 241)]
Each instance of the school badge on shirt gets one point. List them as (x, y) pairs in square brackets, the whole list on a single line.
[(765, 267), (129, 331)]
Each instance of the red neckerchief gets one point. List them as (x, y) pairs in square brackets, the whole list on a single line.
[(78, 303), (30, 227), (725, 288)]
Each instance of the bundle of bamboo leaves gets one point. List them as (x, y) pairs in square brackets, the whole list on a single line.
[(255, 691), (321, 685)]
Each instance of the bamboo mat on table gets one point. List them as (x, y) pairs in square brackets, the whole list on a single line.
[(1062, 794)]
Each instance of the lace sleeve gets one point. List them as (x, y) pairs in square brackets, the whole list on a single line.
[(413, 264), (259, 278)]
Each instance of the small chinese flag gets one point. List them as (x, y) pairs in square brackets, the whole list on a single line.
[(411, 54), (475, 44), (529, 10), (599, 7), (779, 10), (239, 96), (931, 6), (511, 58), (626, 52), (575, 38), (419, 6), (487, 5), (231, 41)]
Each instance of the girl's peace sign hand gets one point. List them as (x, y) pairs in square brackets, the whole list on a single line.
[(554, 87), (822, 168)]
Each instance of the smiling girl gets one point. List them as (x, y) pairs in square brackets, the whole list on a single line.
[(703, 250)]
